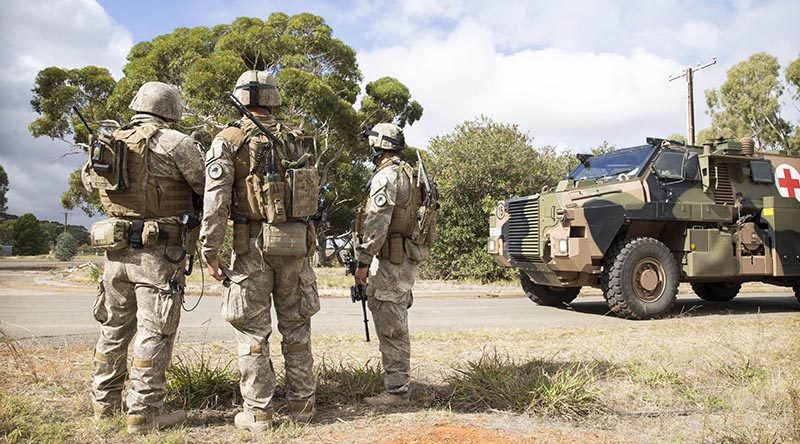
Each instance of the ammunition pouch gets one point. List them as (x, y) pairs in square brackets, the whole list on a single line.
[(393, 249), (286, 239), (110, 234), (266, 198), (116, 234), (107, 163)]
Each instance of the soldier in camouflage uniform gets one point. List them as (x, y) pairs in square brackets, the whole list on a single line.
[(384, 229), (142, 287), (272, 240)]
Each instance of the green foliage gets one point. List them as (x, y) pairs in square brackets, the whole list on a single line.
[(24, 420), (476, 165), (388, 100), (7, 232), (57, 89), (347, 382), (540, 386), (318, 77), (76, 195), (3, 190), (678, 137), (28, 237), (66, 247), (748, 103), (201, 383)]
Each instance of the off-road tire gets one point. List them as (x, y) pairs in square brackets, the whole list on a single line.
[(545, 295), (716, 291), (622, 262)]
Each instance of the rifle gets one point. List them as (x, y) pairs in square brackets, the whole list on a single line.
[(357, 292)]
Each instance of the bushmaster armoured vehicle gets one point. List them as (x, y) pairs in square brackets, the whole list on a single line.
[(637, 221)]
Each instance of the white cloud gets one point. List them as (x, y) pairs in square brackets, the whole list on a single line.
[(573, 73), (37, 34)]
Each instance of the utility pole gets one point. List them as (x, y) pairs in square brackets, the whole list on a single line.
[(689, 74), (65, 220)]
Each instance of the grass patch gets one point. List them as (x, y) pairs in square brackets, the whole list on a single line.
[(202, 383), (24, 421), (346, 382), (662, 377), (540, 386)]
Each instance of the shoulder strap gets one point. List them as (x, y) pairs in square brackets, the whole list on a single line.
[(233, 134)]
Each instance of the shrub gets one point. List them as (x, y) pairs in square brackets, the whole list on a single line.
[(66, 247)]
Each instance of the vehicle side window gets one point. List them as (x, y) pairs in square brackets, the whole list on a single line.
[(761, 171), (669, 165), (692, 168)]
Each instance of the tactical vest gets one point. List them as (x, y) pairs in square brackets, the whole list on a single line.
[(272, 184), (126, 187), (409, 218)]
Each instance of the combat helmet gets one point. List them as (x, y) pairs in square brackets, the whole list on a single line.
[(257, 88), (160, 99), (386, 136)]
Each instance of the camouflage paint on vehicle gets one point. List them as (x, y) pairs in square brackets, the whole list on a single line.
[(722, 217)]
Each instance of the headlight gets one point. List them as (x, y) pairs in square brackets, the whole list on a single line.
[(491, 246), (562, 247)]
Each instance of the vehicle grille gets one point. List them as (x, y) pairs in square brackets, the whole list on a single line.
[(523, 229), (723, 194)]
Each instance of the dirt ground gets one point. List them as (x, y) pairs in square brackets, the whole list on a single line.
[(705, 379)]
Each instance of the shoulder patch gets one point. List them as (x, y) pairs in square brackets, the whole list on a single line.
[(214, 171), (379, 199)]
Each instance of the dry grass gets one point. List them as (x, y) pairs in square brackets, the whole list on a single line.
[(731, 379)]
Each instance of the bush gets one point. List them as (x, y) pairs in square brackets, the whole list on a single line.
[(66, 247), (476, 165), (348, 382)]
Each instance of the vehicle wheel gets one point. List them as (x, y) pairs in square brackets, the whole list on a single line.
[(545, 295), (640, 278), (716, 291)]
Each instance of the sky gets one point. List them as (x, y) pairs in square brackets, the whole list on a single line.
[(570, 73)]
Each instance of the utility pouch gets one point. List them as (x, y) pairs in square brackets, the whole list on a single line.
[(302, 184), (150, 233), (110, 234), (255, 200), (241, 238), (396, 250), (274, 194), (107, 163), (286, 239)]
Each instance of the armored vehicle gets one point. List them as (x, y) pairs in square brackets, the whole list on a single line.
[(637, 221)]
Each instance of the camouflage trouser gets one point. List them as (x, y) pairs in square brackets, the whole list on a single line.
[(138, 301), (246, 301), (389, 298)]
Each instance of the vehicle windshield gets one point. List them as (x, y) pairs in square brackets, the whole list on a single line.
[(629, 161)]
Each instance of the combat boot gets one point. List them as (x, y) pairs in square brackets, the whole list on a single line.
[(302, 411), (141, 424), (387, 398), (253, 421)]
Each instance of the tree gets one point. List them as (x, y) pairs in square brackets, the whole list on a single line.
[(748, 103), (317, 74), (28, 237), (479, 163), (793, 78), (7, 232), (3, 190), (66, 247)]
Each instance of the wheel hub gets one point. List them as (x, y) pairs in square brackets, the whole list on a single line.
[(648, 280)]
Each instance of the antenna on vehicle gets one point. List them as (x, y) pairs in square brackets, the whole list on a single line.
[(689, 74)]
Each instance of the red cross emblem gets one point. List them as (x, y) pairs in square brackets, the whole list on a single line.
[(787, 180)]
